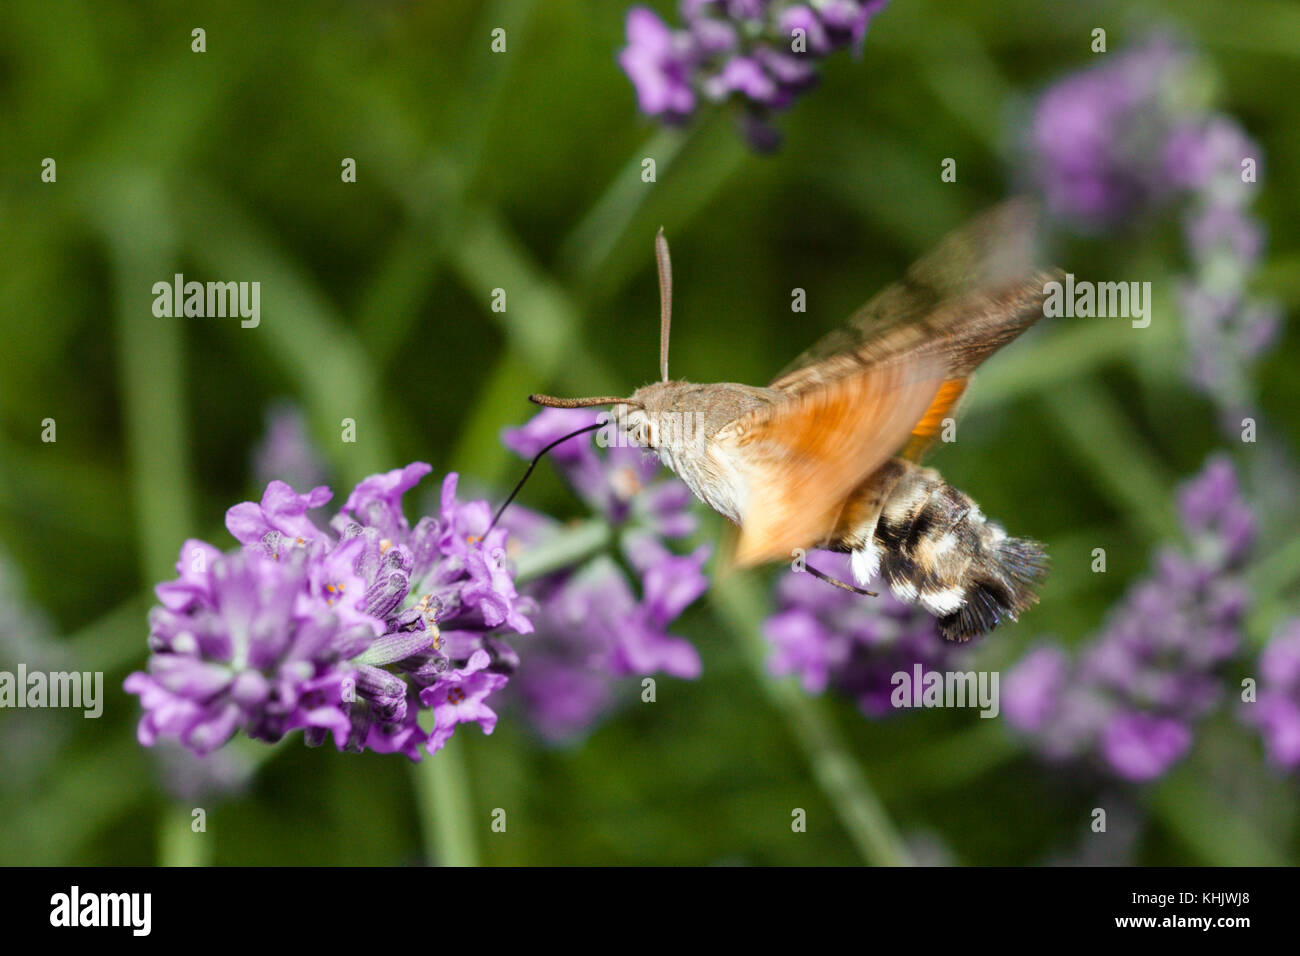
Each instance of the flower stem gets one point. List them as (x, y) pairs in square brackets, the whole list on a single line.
[(178, 843), (151, 354), (739, 603), (569, 546), (446, 807)]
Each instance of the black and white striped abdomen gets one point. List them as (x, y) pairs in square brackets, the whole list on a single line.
[(934, 547)]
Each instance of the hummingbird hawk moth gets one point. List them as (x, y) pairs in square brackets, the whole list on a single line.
[(828, 454)]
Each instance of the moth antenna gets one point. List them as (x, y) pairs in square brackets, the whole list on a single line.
[(533, 464), (550, 401), (837, 582), (665, 264)]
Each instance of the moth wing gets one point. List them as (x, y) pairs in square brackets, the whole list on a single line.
[(973, 293), (944, 406), (803, 457)]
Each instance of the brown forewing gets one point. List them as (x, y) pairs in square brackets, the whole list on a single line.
[(972, 294), (803, 457)]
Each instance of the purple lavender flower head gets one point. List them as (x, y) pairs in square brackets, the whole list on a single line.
[(604, 617), (759, 54), (1132, 694), (343, 633), (623, 484), (658, 62), (239, 655), (1276, 711), (286, 450), (1215, 516), (1141, 746), (1032, 690), (594, 630), (1214, 160), (1210, 155), (1129, 136), (1098, 137)]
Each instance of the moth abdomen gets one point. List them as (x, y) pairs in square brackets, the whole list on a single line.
[(1002, 585), (934, 547)]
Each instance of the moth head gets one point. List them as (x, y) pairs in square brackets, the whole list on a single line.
[(656, 417), (647, 417)]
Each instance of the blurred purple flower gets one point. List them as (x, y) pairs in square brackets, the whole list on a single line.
[(1122, 139), (833, 638), (1098, 136), (1216, 518), (658, 62), (597, 622), (1227, 328), (592, 630), (1141, 747), (1276, 711), (194, 779), (286, 451), (622, 483), (1206, 154), (1134, 692), (341, 633), (760, 53), (1033, 690)]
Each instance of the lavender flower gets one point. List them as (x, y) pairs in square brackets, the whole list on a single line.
[(1227, 328), (1276, 712), (458, 698), (286, 450), (759, 53), (599, 620), (322, 631), (1204, 155), (621, 484), (1132, 696), (658, 61), (193, 779), (833, 638), (1124, 139), (1097, 137)]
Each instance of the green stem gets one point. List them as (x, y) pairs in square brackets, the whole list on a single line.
[(739, 603), (178, 843), (955, 761), (446, 806), (1185, 805), (568, 547), (584, 250), (151, 365), (1101, 435), (1277, 572)]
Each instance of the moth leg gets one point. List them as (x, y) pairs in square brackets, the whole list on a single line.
[(820, 576)]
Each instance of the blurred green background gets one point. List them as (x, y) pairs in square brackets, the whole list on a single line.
[(522, 171)]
